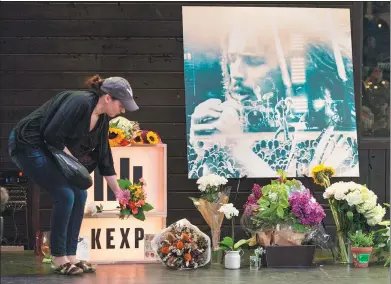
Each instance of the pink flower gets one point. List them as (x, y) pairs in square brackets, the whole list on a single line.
[(140, 203), (135, 211), (123, 196), (143, 181)]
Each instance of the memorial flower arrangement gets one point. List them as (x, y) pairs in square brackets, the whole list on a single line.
[(122, 131), (354, 207), (182, 246), (132, 199), (214, 194), (146, 137), (285, 212)]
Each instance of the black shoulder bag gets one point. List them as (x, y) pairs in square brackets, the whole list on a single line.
[(72, 169)]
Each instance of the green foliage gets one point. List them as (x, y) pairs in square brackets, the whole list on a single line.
[(273, 205), (227, 244), (382, 241), (359, 239), (124, 183)]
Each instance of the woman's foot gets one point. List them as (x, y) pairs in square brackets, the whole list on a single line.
[(66, 269), (59, 260), (84, 265)]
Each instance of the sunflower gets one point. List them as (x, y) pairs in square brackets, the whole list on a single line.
[(115, 136), (152, 137), (322, 174), (138, 139)]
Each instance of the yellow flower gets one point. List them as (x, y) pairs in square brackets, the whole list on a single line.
[(139, 194), (322, 174), (133, 187), (152, 137), (116, 136), (138, 139)]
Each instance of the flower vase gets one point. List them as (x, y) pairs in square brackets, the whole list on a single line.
[(342, 251), (45, 247), (217, 254), (210, 212), (232, 259)]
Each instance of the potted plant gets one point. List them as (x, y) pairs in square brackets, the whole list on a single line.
[(361, 248), (232, 250)]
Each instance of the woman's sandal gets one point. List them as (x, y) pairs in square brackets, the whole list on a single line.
[(67, 269), (86, 266)]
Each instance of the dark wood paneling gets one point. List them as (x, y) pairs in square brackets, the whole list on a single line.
[(144, 97), (175, 148), (377, 174), (91, 63), (364, 166), (170, 114), (84, 11), (83, 28), (94, 45), (75, 80), (168, 131), (128, 10), (175, 165)]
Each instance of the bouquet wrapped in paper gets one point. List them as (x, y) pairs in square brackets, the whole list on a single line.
[(283, 213), (182, 246), (213, 196)]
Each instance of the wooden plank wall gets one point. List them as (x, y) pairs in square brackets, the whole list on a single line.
[(48, 47)]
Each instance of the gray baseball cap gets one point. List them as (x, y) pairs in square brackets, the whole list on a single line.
[(119, 88)]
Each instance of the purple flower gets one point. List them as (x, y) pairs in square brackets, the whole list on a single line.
[(123, 195), (306, 209), (252, 200)]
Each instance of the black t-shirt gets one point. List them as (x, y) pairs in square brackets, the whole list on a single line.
[(65, 121)]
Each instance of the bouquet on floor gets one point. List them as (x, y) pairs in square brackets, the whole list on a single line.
[(285, 213), (182, 246), (122, 131)]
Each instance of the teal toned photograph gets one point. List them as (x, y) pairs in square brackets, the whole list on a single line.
[(269, 89)]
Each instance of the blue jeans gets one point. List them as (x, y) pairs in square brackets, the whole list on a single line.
[(68, 202)]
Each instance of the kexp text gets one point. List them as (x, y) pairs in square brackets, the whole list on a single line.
[(95, 238)]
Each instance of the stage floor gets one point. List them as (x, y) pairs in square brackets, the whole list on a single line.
[(24, 267)]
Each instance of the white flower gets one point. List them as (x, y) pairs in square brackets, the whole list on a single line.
[(211, 181), (375, 215), (91, 209), (340, 191), (273, 196), (229, 210), (367, 205), (354, 198)]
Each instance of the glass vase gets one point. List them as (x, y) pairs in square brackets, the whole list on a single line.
[(342, 250), (45, 246)]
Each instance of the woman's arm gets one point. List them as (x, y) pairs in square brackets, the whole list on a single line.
[(112, 182)]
